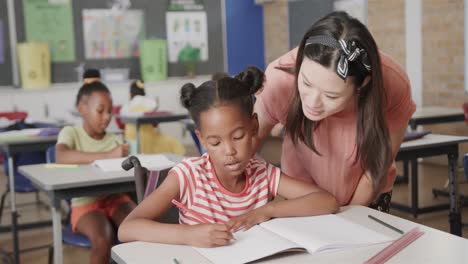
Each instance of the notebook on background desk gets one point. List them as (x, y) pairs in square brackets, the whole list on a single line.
[(415, 135), (317, 234)]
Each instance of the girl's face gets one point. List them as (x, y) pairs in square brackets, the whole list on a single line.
[(227, 134), (323, 93), (96, 110)]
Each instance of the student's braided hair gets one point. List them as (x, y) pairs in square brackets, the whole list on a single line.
[(88, 88), (237, 90)]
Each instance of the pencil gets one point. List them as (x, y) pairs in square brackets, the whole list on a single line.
[(186, 209), (385, 224), (61, 166)]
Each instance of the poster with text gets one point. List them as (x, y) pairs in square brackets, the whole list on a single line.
[(51, 22), (112, 34), (187, 36)]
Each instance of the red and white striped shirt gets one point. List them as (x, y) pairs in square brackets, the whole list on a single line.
[(201, 191)]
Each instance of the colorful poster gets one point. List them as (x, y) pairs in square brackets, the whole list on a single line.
[(187, 36), (112, 33), (2, 44), (51, 22)]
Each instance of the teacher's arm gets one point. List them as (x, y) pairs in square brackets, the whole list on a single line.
[(363, 193)]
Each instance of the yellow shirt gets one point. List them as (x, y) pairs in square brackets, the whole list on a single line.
[(151, 140), (75, 137)]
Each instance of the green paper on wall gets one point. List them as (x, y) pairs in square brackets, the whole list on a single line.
[(153, 59), (51, 22)]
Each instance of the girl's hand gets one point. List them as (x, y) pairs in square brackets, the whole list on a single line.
[(119, 151), (249, 219), (209, 235)]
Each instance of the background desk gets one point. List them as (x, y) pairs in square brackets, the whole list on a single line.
[(155, 118), (434, 145), (430, 115), (86, 180), (435, 115), (11, 147), (433, 247)]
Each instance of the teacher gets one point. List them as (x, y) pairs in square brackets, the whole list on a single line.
[(344, 107)]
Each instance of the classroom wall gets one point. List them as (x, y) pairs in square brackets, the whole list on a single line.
[(443, 60), (5, 68), (388, 32), (285, 22), (443, 52), (276, 29), (302, 14)]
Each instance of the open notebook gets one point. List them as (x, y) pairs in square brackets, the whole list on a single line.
[(150, 161), (311, 234)]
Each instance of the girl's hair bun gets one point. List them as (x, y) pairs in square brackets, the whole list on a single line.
[(252, 77), (186, 94)]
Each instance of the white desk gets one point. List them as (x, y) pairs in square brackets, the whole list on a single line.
[(427, 115), (86, 180), (434, 145), (151, 118), (433, 247), (435, 115), (12, 146)]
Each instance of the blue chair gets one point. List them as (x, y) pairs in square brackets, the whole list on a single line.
[(68, 237), (197, 142), (190, 126)]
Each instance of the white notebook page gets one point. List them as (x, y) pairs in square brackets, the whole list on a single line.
[(250, 245), (324, 232)]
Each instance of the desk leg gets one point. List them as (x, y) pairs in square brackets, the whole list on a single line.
[(454, 215), (57, 231), (405, 170), (414, 188), (14, 214)]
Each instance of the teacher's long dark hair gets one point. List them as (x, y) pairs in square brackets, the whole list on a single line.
[(372, 136)]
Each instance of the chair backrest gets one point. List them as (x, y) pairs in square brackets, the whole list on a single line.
[(15, 115), (118, 121), (199, 146), (141, 178), (146, 182), (465, 111), (50, 154)]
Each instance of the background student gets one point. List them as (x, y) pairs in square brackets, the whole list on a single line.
[(94, 217), (345, 107), (225, 189), (151, 139)]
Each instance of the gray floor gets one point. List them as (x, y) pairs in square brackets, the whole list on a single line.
[(430, 176)]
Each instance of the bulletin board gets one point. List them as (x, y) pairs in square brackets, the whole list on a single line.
[(153, 26)]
